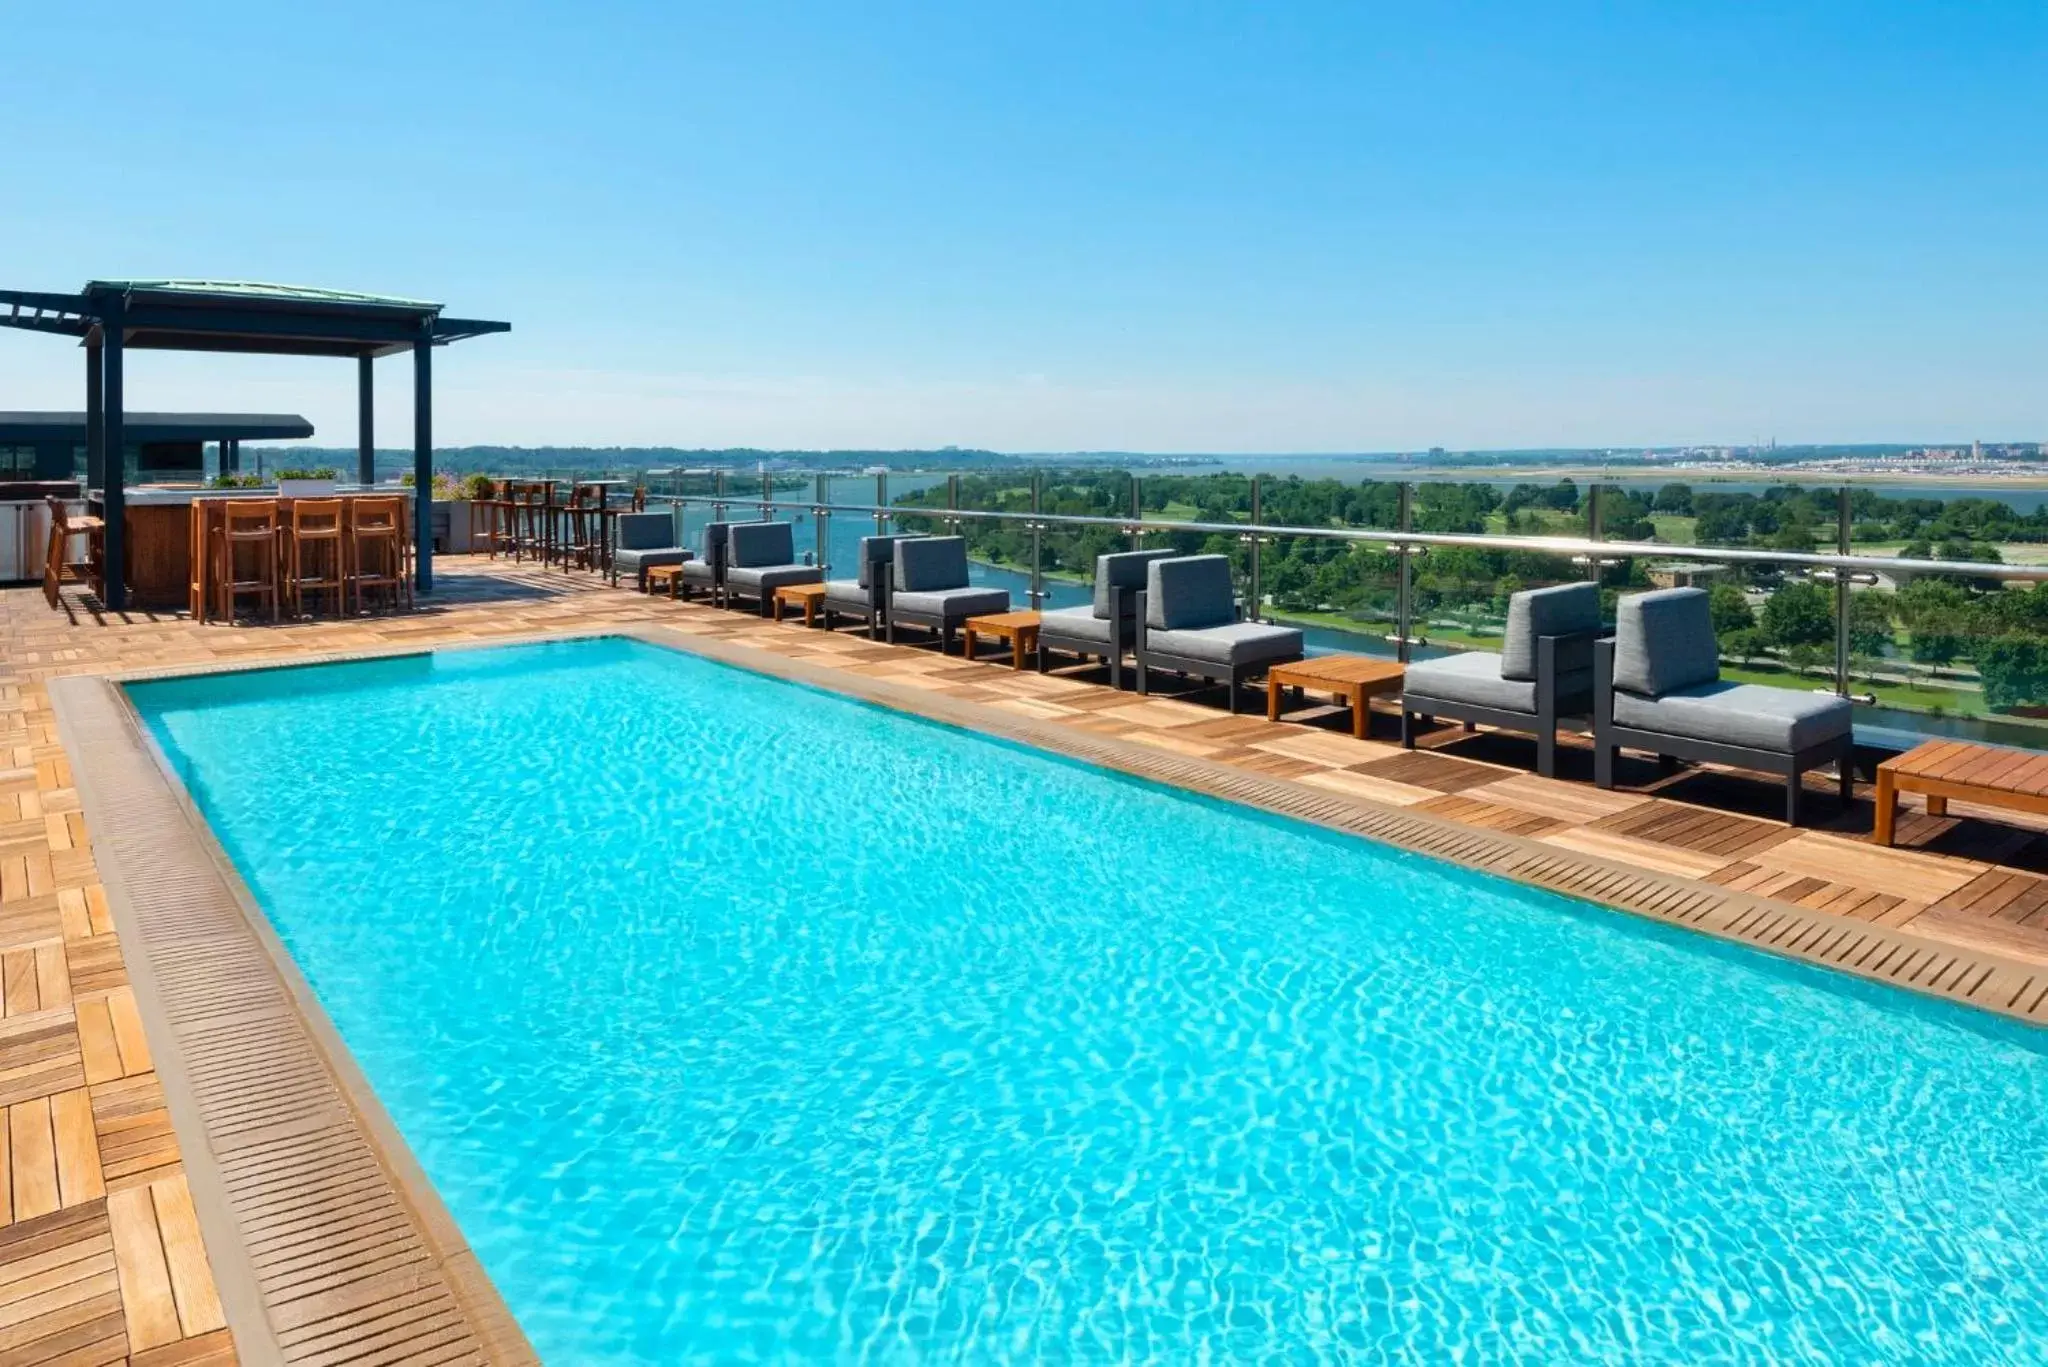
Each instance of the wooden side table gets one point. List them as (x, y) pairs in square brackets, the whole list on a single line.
[(657, 575), (809, 596), (1350, 679), (1020, 629)]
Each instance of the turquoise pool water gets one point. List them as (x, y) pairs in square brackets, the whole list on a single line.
[(740, 1022)]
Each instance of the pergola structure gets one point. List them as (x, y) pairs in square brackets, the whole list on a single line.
[(110, 316)]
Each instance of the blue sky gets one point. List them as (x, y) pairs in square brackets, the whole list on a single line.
[(1285, 228)]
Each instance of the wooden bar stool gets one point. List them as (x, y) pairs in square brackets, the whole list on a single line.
[(247, 536), (315, 555), (500, 537), (530, 521), (57, 561), (582, 524), (377, 557)]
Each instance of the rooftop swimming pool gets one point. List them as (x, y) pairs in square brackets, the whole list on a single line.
[(739, 1021)]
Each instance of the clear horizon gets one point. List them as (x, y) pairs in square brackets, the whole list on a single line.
[(1157, 230)]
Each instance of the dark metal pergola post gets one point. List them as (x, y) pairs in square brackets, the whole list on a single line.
[(366, 420), (114, 458), (95, 411), (423, 459)]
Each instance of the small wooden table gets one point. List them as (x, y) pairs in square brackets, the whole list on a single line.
[(1020, 629), (809, 596), (1995, 775), (657, 575), (1350, 679)]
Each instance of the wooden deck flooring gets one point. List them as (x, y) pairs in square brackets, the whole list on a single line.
[(100, 1252)]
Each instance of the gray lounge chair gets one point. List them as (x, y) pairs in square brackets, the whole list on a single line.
[(866, 595), (1657, 687), (928, 588), (1108, 626), (707, 571), (1544, 672), (1188, 622), (645, 540), (760, 557)]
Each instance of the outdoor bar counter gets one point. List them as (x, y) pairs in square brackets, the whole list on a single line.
[(157, 552)]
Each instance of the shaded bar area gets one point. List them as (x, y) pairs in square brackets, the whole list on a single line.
[(111, 317)]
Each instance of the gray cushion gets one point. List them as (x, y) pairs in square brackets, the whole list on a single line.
[(1755, 716), (1233, 643), (1474, 677), (637, 563), (697, 572), (874, 550), (925, 563), (1664, 641), (1122, 570), (1189, 592), (1077, 624), (759, 579), (758, 544), (846, 595), (955, 604), (1555, 611), (646, 531)]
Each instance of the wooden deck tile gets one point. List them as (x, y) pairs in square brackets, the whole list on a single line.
[(74, 1060), (1423, 769)]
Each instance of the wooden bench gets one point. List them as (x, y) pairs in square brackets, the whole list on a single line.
[(1994, 775)]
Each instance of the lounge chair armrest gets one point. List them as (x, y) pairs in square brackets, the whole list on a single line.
[(1603, 682)]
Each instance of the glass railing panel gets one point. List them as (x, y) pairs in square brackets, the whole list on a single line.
[(1940, 654), (1343, 594)]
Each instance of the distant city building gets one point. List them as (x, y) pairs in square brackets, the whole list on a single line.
[(1676, 575)]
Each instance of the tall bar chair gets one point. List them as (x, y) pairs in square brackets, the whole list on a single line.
[(581, 522), (377, 555), (245, 545), (58, 564), (500, 536), (315, 552), (530, 520)]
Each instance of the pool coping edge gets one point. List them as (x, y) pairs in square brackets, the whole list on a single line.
[(74, 698)]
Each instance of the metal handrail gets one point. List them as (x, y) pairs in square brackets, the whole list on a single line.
[(1543, 545)]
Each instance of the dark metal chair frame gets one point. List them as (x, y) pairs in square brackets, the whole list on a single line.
[(1234, 676), (1123, 636), (1552, 710), (881, 582), (1610, 737)]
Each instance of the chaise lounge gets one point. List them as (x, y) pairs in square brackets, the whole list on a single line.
[(928, 588), (1657, 687), (1188, 622), (760, 557), (644, 541), (866, 595), (1543, 672), (1108, 626)]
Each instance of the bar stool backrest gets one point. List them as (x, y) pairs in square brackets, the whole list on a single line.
[(249, 519), (316, 517)]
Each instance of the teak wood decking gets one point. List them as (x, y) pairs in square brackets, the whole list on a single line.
[(102, 1220)]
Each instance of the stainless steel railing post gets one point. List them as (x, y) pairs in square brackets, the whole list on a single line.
[(1842, 585), (1256, 561), (1037, 540), (821, 516), (881, 502), (1404, 558)]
